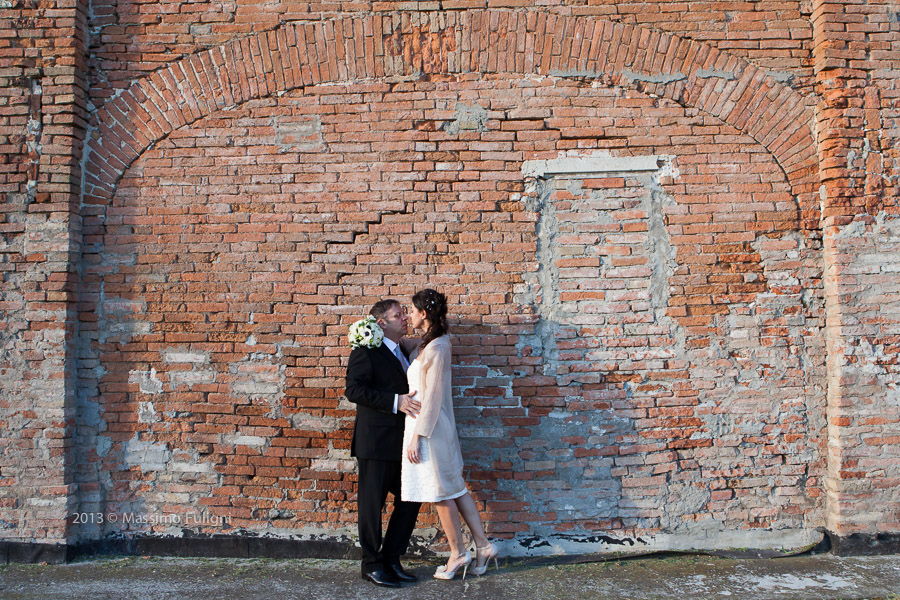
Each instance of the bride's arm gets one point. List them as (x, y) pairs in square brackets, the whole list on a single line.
[(435, 359)]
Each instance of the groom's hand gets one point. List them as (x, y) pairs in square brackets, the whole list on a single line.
[(409, 405)]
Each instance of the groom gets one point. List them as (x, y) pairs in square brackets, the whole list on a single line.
[(376, 383)]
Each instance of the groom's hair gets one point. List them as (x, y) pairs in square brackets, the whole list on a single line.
[(380, 308)]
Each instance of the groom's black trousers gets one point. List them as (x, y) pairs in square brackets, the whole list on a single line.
[(376, 479)]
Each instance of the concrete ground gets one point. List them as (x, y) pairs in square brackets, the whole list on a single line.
[(669, 577)]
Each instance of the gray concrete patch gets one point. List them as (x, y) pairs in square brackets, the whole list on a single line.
[(813, 577)]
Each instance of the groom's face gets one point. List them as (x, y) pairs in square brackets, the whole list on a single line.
[(394, 323)]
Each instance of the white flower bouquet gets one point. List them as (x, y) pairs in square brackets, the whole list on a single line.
[(365, 333)]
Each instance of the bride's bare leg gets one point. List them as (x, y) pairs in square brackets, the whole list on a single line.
[(448, 513), (466, 506)]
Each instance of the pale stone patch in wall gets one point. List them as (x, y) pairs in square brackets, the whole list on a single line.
[(596, 164), (173, 355), (238, 439)]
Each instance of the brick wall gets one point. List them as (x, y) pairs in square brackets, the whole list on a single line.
[(134, 39), (622, 202), (246, 259), (858, 129), (42, 127), (19, 107)]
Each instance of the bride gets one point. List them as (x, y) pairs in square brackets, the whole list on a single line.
[(432, 462)]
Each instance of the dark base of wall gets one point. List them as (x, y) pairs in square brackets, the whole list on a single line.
[(250, 547), (860, 544), (218, 546), (31, 552)]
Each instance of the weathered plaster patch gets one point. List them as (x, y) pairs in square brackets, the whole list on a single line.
[(298, 133), (116, 260), (261, 376), (870, 253), (577, 73), (190, 378), (306, 422), (147, 414), (44, 236), (338, 461), (885, 228), (146, 380), (119, 318), (660, 78), (89, 413), (191, 467), (785, 77), (103, 445), (467, 117), (147, 455), (715, 73)]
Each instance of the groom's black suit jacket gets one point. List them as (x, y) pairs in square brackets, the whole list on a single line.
[(374, 375)]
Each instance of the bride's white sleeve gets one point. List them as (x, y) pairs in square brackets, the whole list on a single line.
[(433, 388)]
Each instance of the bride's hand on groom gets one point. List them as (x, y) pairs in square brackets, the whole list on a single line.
[(409, 405)]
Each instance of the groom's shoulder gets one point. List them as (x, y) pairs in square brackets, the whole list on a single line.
[(362, 352)]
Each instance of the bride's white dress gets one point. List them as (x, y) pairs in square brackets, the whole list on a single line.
[(427, 480)]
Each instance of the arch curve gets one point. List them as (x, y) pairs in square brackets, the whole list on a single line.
[(405, 45)]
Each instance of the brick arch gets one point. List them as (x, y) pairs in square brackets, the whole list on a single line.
[(439, 44)]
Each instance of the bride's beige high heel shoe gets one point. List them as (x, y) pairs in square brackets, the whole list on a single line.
[(492, 553), (464, 561)]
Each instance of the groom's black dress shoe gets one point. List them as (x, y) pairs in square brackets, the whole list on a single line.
[(382, 578), (400, 573)]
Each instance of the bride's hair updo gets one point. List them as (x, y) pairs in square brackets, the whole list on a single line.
[(434, 304)]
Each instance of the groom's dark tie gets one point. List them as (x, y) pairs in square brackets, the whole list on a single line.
[(399, 354)]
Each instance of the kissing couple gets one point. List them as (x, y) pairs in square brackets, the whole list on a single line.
[(405, 440)]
